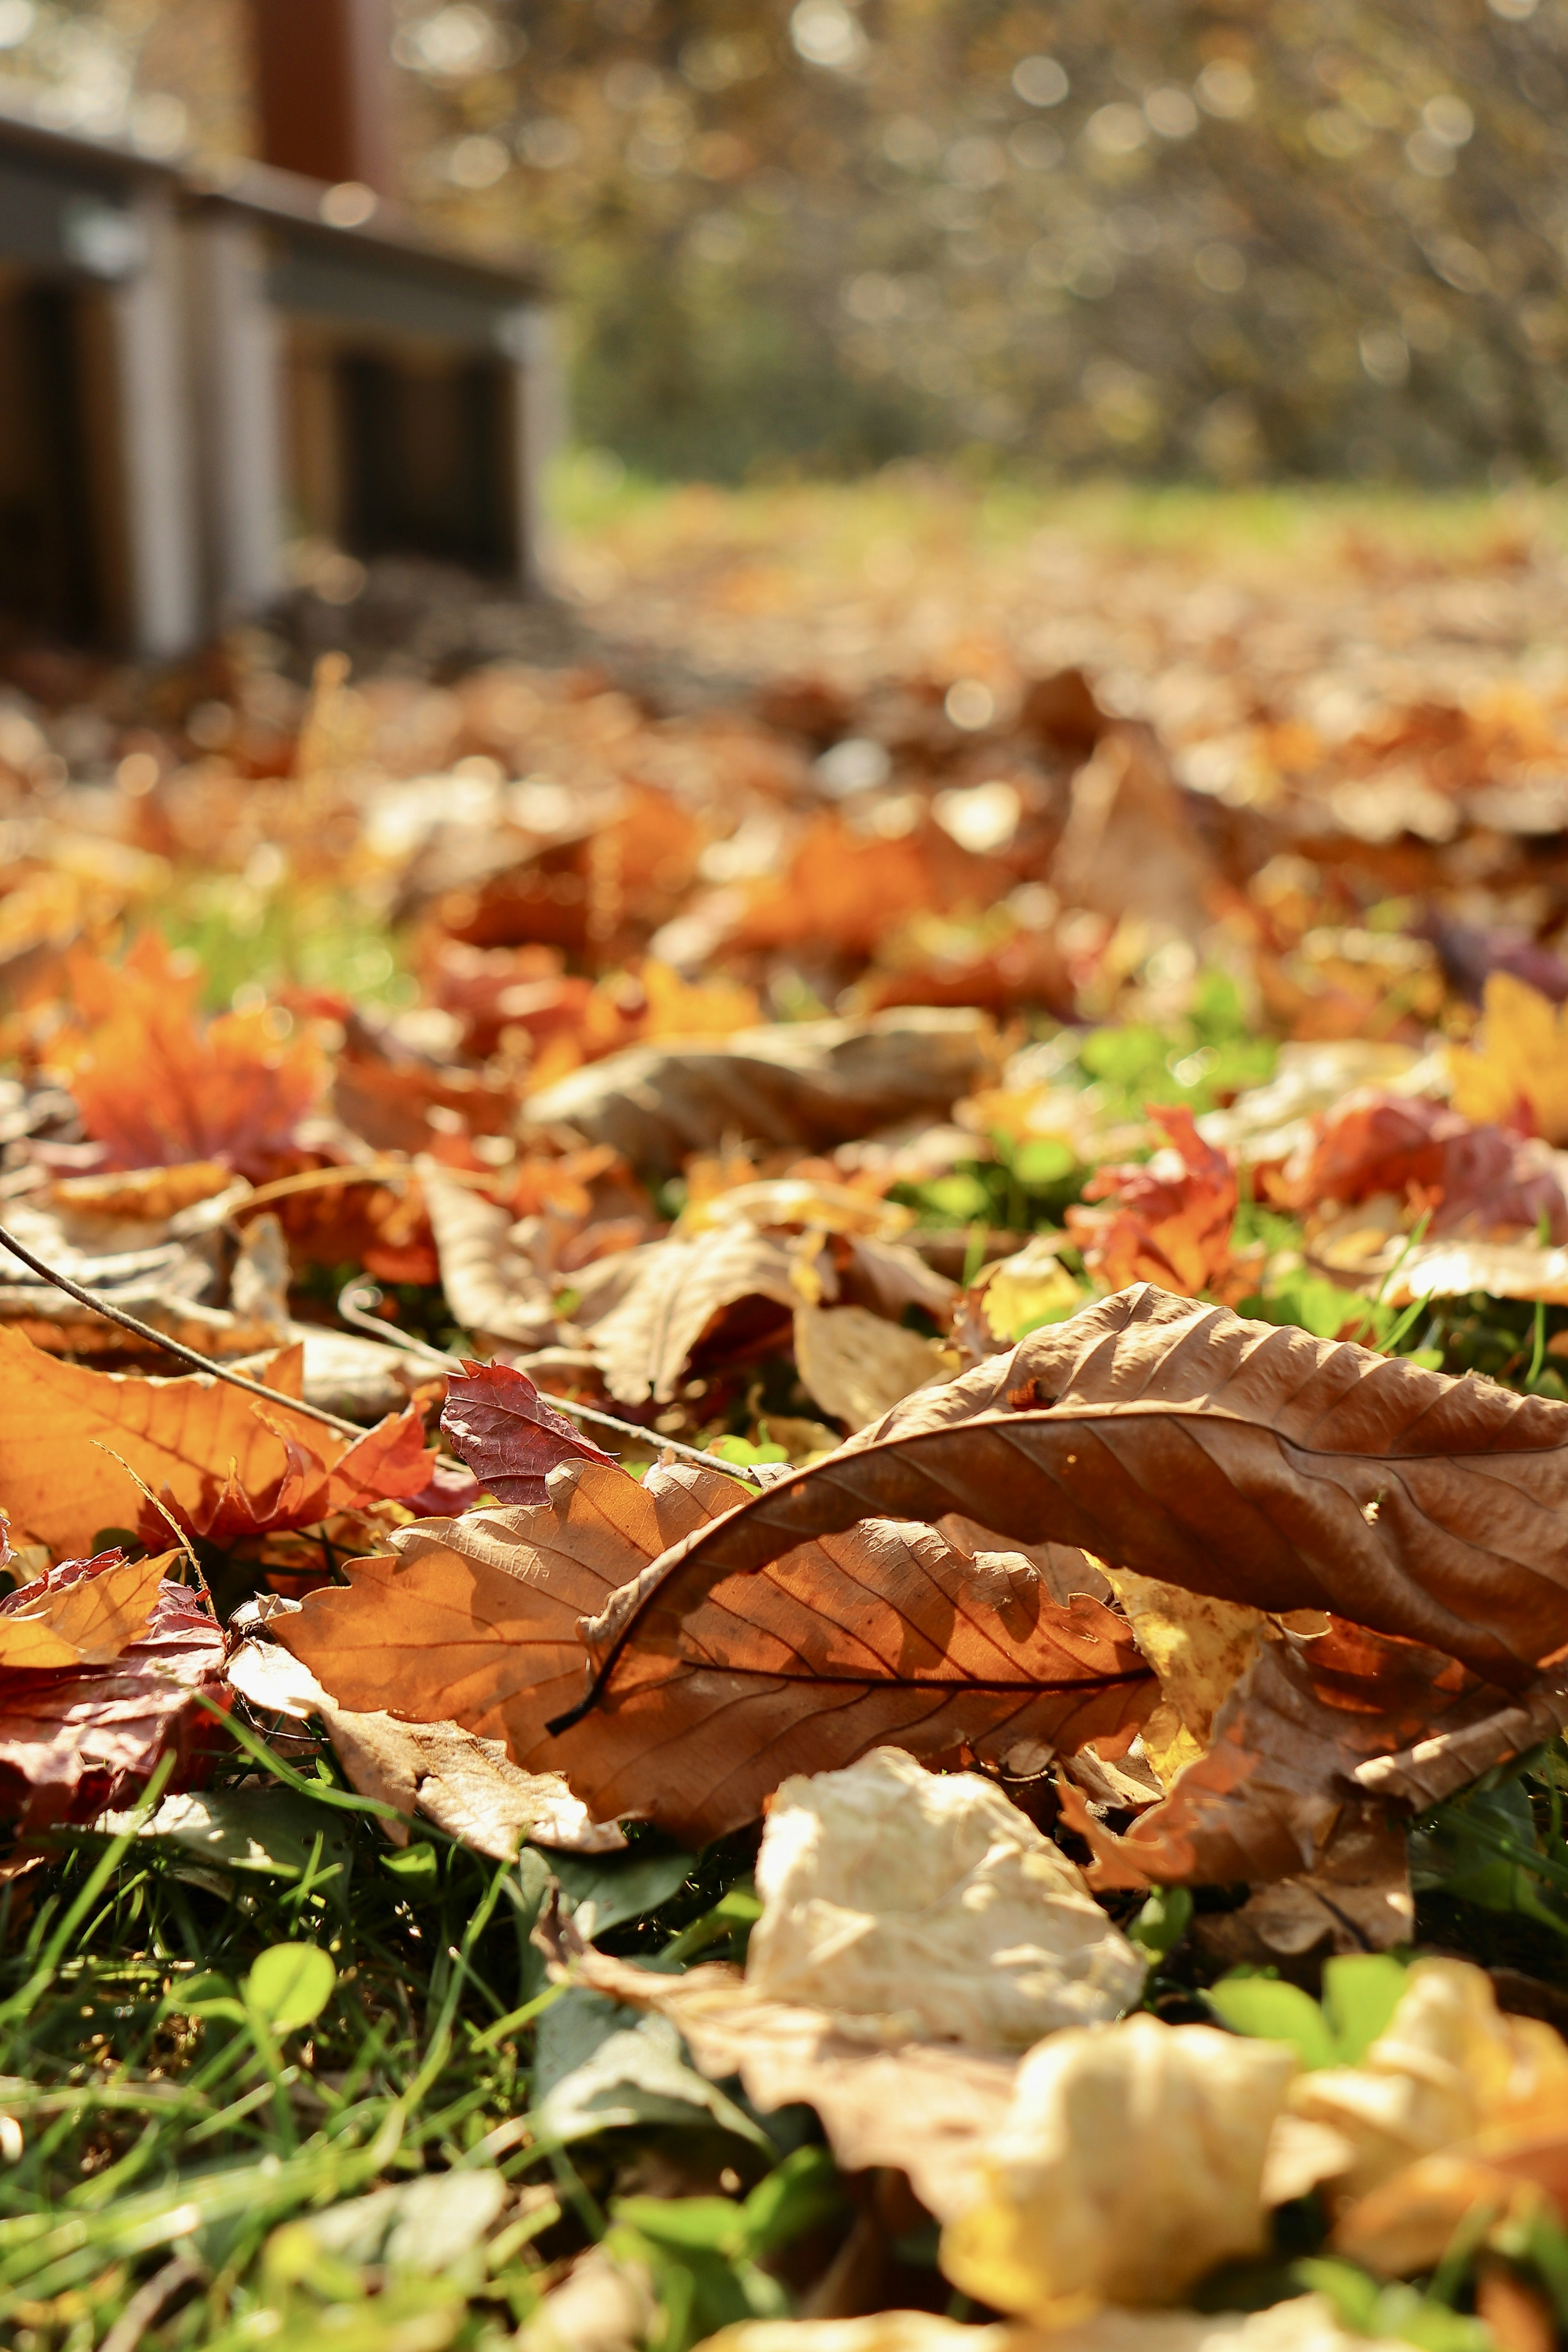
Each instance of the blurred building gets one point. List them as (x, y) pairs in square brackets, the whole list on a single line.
[(196, 370)]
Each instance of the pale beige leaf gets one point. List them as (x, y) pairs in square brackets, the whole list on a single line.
[(1452, 1269), (493, 1287), (1449, 2061), (600, 2307), (1307, 2323), (1130, 2163), (911, 1904), (857, 1365)]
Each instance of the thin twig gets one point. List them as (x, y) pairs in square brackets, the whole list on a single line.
[(355, 1306), (112, 1314)]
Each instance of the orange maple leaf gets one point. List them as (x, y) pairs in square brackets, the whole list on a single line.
[(1172, 1221), (158, 1089)]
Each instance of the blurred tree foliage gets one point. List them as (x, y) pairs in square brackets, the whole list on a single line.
[(1230, 236)]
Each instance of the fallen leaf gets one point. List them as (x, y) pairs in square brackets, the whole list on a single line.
[(1292, 1752), (467, 1786), (493, 1287), (495, 1420), (1015, 1295), (200, 1444), (1172, 1220), (156, 1090), (915, 1636), (1454, 1269), (682, 1294), (1064, 2220), (1520, 1059), (843, 890), (1356, 1898), (1199, 1647), (913, 1906), (1245, 1460), (1467, 1180), (85, 1614), (1515, 2163), (856, 1365), (76, 1740), (1131, 846), (1449, 2064), (1307, 2323), (810, 1082)]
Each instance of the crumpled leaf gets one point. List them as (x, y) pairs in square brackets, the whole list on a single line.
[(1449, 2064), (196, 1442), (467, 1786), (84, 1614), (679, 1294), (917, 1635), (809, 1083), (1172, 1220), (493, 1287), (1130, 2163), (496, 1420), (1245, 1460), (1520, 1060), (1306, 2323), (1467, 1179), (856, 1365), (78, 1739), (1308, 1744), (389, 1461), (912, 1904), (156, 1090)]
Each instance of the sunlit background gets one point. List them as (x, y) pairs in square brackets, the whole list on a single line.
[(1324, 239)]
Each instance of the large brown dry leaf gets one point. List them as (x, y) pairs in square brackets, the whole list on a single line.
[(1130, 2161), (1235, 1459), (83, 1620), (196, 1442), (493, 1287), (892, 1633), (75, 1740), (679, 1292), (1283, 1772), (813, 1083), (467, 1786)]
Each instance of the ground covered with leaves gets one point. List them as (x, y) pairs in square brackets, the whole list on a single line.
[(786, 1557)]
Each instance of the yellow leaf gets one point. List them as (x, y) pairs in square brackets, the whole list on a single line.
[(1523, 1057), (1200, 1648), (88, 1623)]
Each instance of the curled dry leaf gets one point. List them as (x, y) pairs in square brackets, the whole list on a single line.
[(1518, 2160), (1171, 1221), (889, 1633), (493, 1287), (1240, 1459), (496, 1420), (678, 1295), (68, 1436), (1448, 2064), (467, 1786), (856, 1365), (390, 1460), (811, 1083), (911, 1905), (1068, 2216), (75, 1740), (85, 1614), (1292, 1752)]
